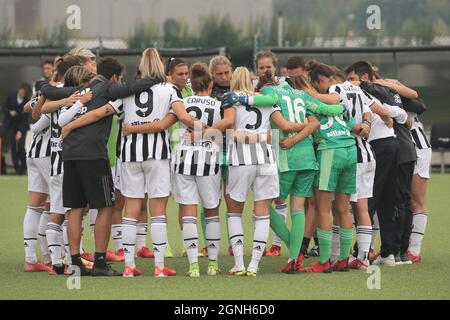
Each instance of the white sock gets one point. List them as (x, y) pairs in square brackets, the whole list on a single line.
[(282, 210), (54, 234), (30, 232), (262, 226), (418, 230), (116, 231), (190, 238), (363, 238), (67, 254), (335, 244), (236, 233), (92, 217), (129, 240), (375, 229), (43, 237), (141, 235), (212, 236), (83, 227), (158, 230)]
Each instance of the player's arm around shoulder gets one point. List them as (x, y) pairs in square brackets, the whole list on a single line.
[(285, 125), (311, 127), (88, 118), (153, 127)]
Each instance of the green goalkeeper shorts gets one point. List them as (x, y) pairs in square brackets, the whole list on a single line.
[(337, 170), (297, 183)]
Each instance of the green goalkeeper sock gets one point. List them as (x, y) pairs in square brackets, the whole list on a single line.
[(345, 240), (279, 226), (203, 222), (297, 231), (324, 244)]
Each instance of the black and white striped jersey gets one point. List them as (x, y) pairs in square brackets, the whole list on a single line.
[(356, 103), (417, 133), (119, 133), (40, 145), (252, 120), (55, 141), (201, 158), (56, 145), (147, 106)]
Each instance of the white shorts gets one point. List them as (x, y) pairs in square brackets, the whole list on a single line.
[(38, 174), (365, 175), (150, 176), (422, 167), (262, 178), (188, 189), (56, 195), (117, 173)]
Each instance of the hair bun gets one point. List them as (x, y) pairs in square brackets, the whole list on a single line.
[(198, 70)]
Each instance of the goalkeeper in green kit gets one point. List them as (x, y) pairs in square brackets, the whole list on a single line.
[(297, 163)]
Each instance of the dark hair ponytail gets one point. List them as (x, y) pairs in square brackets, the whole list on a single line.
[(200, 77), (266, 79)]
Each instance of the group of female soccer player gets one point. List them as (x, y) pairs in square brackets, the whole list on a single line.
[(306, 137)]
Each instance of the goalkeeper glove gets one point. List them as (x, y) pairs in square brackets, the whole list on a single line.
[(231, 98)]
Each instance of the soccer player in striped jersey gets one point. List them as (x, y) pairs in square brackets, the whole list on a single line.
[(91, 183), (114, 152), (57, 225), (418, 189), (38, 164), (221, 70), (266, 61), (252, 165), (177, 71), (145, 156), (197, 172), (297, 161)]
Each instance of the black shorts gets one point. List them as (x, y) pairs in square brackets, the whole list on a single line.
[(88, 182)]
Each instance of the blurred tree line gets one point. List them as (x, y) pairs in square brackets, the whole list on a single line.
[(306, 23), (309, 23)]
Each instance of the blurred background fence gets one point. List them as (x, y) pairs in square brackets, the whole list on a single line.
[(425, 68)]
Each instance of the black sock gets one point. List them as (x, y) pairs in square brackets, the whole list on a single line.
[(100, 259), (355, 250), (305, 245), (316, 241), (76, 260)]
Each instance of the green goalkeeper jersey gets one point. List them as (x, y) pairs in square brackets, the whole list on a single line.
[(293, 105), (334, 131)]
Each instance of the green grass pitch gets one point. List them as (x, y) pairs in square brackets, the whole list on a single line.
[(428, 280)]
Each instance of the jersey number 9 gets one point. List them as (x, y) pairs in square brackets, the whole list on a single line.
[(145, 108)]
